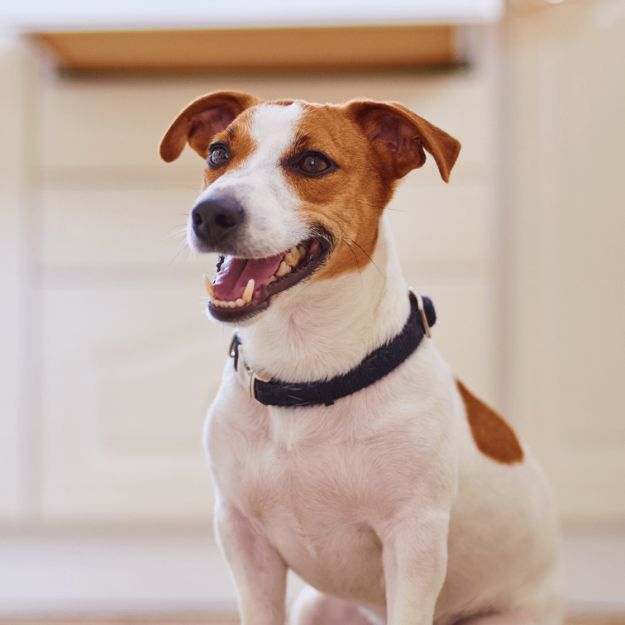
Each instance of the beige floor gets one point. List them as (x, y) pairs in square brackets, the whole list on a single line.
[(200, 620), (144, 620), (121, 620)]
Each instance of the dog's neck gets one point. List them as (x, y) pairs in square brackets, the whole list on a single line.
[(326, 328)]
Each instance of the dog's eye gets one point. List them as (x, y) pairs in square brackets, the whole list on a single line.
[(313, 164), (219, 155)]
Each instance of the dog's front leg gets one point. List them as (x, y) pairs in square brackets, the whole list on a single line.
[(415, 563), (258, 570)]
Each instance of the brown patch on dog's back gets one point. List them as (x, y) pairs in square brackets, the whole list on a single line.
[(492, 435)]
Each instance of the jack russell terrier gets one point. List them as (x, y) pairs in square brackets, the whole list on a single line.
[(341, 446)]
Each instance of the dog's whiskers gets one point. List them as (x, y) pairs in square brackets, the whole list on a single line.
[(367, 255), (178, 231), (181, 249), (351, 249)]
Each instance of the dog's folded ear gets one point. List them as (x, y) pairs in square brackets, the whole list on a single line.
[(201, 120), (400, 137)]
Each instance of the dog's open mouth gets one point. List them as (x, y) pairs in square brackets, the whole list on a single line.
[(243, 287)]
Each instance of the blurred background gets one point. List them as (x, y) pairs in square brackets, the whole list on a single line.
[(107, 362)]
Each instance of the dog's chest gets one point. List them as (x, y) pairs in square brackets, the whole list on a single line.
[(317, 491), (312, 479)]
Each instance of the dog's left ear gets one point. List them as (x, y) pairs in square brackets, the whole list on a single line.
[(400, 137), (201, 120)]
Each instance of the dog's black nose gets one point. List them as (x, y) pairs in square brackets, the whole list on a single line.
[(215, 219)]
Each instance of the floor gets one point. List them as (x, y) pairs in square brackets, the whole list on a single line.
[(199, 620), (159, 620), (144, 620)]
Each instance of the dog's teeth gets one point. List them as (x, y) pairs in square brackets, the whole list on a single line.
[(249, 291), (208, 284), (231, 304), (283, 269), (240, 302), (292, 258), (272, 279)]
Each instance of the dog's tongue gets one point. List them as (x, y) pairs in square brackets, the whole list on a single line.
[(235, 273)]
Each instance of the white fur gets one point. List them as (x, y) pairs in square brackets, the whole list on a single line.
[(382, 499), (271, 222)]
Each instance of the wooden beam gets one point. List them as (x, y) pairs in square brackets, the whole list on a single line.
[(253, 49)]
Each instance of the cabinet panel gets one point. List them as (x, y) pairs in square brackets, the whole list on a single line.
[(128, 374), (118, 225), (567, 333), (129, 361), (112, 123), (447, 225)]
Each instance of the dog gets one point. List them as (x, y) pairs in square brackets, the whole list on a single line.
[(340, 443)]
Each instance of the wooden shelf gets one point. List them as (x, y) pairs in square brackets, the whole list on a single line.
[(252, 49)]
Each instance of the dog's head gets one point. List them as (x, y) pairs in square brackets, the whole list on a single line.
[(292, 190)]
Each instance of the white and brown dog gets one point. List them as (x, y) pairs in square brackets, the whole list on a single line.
[(340, 443)]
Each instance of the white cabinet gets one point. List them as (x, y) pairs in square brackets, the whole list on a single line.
[(565, 103), (121, 227), (129, 361), (128, 373)]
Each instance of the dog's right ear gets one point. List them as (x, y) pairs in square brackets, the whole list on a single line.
[(201, 120)]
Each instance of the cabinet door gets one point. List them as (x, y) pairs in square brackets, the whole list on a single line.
[(566, 98), (115, 126), (128, 374), (129, 362)]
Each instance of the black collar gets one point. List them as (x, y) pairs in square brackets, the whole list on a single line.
[(375, 366)]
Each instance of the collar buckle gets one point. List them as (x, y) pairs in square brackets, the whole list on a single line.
[(422, 315), (247, 376)]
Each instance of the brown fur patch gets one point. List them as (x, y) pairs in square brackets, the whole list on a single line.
[(238, 139), (373, 144), (401, 137), (492, 435), (201, 119), (347, 202), (370, 147)]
